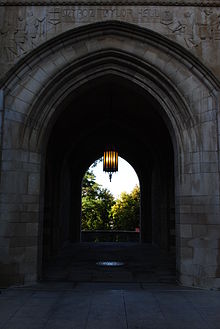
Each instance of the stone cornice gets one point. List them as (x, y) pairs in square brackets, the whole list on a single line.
[(192, 3)]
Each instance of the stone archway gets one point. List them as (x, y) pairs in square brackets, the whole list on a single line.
[(110, 109), (42, 85)]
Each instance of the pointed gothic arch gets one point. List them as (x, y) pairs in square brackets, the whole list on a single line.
[(44, 82)]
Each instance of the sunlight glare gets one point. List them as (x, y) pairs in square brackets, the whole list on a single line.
[(122, 181)]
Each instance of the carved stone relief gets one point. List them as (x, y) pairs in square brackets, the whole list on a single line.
[(25, 28), (22, 35), (209, 28)]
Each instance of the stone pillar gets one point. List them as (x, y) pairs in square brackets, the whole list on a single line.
[(199, 206), (20, 190)]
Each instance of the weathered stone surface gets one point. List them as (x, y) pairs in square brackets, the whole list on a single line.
[(34, 184), (177, 68), (195, 28)]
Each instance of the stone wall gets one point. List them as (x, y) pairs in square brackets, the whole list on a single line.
[(197, 27), (175, 60)]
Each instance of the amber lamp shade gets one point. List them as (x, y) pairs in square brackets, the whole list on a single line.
[(110, 162)]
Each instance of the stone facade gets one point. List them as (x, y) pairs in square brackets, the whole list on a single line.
[(170, 51), (197, 27)]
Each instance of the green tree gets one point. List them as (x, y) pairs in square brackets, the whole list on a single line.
[(89, 186), (96, 204), (126, 210)]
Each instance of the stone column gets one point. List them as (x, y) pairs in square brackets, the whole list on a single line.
[(198, 203)]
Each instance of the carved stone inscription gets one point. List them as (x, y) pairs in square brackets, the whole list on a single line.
[(86, 14), (23, 28)]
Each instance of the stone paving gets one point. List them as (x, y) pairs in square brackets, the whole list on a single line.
[(66, 305), (77, 294)]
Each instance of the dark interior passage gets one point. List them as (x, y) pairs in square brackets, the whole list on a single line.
[(107, 111), (112, 262)]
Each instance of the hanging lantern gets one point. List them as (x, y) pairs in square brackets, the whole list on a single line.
[(110, 162)]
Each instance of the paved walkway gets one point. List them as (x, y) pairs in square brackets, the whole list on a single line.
[(66, 305), (79, 294)]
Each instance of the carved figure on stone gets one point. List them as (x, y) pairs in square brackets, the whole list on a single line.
[(188, 28), (8, 45), (166, 17), (209, 28), (34, 29), (18, 39), (20, 36)]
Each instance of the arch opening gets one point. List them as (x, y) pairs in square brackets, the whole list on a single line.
[(110, 210), (41, 99), (109, 110)]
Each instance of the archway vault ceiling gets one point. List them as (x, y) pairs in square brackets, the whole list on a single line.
[(110, 112), (55, 71), (61, 90)]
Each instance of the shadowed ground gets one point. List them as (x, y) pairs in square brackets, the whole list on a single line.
[(141, 263), (78, 294), (67, 305)]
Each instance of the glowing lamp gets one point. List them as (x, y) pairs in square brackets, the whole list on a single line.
[(110, 162)]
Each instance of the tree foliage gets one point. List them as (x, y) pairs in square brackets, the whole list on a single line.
[(96, 204), (101, 212), (126, 211)]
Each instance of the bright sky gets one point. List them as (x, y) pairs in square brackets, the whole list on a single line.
[(122, 181)]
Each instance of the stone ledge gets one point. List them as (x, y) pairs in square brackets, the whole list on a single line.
[(193, 3)]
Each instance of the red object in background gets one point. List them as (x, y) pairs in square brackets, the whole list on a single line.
[(137, 229)]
